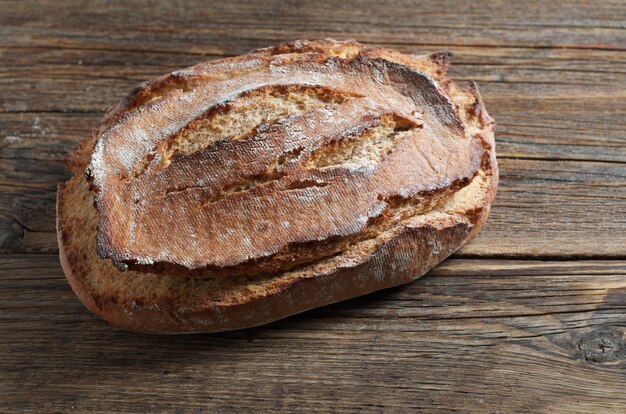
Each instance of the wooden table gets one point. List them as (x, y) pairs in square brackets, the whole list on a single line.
[(529, 317)]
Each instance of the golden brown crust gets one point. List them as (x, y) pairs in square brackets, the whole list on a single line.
[(403, 138), (425, 216), (404, 256)]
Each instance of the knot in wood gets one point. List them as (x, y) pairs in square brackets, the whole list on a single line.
[(603, 345)]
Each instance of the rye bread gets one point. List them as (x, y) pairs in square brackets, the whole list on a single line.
[(241, 191)]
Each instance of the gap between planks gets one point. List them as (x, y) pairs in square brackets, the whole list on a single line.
[(526, 259)]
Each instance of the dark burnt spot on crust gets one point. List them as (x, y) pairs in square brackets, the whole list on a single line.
[(300, 185), (443, 60), (477, 108), (147, 92), (151, 91), (424, 90)]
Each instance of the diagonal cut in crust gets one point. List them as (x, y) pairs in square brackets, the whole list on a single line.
[(244, 190)]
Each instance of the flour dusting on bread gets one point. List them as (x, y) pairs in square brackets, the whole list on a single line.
[(244, 190)]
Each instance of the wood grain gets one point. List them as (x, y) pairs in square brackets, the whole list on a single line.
[(543, 208), (529, 317), (474, 335), (235, 27), (586, 137), (530, 92)]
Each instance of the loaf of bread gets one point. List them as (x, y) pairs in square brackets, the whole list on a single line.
[(243, 190)]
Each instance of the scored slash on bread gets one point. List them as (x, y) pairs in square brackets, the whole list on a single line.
[(240, 191)]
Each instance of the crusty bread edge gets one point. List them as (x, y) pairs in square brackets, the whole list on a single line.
[(381, 270), (423, 247), (385, 268)]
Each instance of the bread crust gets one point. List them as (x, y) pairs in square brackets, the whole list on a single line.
[(278, 195), (423, 246), (406, 252)]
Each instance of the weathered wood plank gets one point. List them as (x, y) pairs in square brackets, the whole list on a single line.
[(551, 104), (503, 64), (94, 72), (565, 136), (238, 26), (97, 79), (559, 208), (534, 133), (543, 209), (473, 336), (534, 122)]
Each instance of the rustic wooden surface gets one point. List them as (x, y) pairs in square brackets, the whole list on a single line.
[(530, 317)]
